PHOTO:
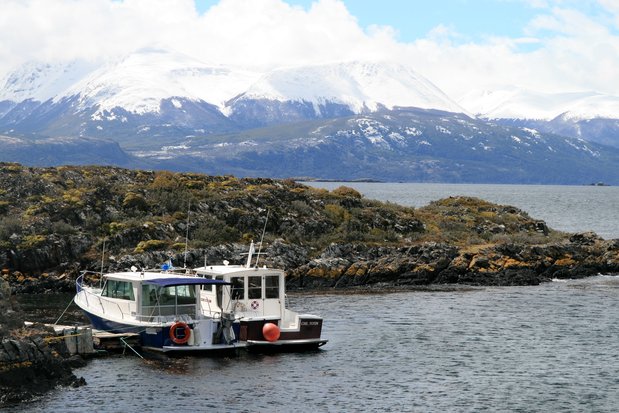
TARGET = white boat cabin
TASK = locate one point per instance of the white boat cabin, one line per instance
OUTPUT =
(253, 292)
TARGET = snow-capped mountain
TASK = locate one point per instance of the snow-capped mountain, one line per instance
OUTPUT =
(515, 103)
(333, 90)
(154, 95)
(584, 115)
(148, 93)
(139, 82)
(361, 86)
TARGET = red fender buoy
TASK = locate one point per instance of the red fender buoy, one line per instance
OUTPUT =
(270, 332)
(184, 337)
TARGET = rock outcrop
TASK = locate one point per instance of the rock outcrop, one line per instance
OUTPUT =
(32, 361)
(31, 366)
(342, 266)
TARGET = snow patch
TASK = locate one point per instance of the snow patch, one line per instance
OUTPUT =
(443, 130)
(532, 132)
(412, 131)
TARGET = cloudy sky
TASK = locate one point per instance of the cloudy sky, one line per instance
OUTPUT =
(460, 45)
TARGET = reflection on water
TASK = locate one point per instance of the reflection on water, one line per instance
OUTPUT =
(553, 347)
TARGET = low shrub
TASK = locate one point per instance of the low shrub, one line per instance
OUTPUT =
(150, 245)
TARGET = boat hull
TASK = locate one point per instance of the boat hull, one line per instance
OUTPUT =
(306, 336)
(281, 346)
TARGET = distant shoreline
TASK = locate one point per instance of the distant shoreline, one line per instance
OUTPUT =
(373, 181)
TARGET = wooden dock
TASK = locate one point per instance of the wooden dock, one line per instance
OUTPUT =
(85, 341)
(104, 340)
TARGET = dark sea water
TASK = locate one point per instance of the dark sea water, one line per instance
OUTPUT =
(548, 348)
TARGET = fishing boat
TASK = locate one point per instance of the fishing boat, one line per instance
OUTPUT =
(257, 298)
(165, 309)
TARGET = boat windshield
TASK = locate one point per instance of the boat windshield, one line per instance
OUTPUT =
(118, 289)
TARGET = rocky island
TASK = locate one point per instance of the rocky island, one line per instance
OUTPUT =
(55, 222)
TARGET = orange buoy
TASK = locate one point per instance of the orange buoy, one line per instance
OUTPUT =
(184, 330)
(270, 332)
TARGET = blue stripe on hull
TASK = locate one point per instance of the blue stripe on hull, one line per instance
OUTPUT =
(111, 326)
(148, 340)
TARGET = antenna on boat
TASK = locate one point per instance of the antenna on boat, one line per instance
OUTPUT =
(102, 260)
(102, 256)
(262, 237)
(187, 235)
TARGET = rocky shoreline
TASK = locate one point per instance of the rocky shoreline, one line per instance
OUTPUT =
(341, 267)
(32, 361)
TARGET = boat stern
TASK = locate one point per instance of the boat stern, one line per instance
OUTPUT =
(270, 334)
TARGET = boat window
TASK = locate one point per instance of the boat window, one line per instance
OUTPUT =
(181, 294)
(207, 287)
(271, 286)
(118, 289)
(149, 295)
(238, 288)
(254, 289)
(219, 290)
(185, 294)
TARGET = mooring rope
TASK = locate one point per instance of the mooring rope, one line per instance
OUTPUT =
(65, 310)
(132, 349)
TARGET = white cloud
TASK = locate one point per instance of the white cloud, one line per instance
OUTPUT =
(561, 49)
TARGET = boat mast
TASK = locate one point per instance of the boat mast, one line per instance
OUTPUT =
(102, 260)
(187, 236)
(262, 237)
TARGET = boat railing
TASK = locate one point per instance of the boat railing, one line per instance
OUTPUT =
(169, 319)
(78, 283)
(109, 307)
